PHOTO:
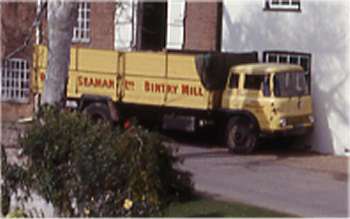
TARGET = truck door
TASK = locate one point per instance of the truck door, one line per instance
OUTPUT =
(230, 96)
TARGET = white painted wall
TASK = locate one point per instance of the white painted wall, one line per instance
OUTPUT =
(322, 29)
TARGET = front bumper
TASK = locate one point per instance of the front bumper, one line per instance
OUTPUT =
(298, 130)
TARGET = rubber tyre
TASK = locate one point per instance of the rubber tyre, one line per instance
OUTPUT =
(98, 112)
(241, 135)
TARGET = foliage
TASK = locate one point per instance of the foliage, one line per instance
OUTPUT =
(88, 169)
(18, 213)
(11, 179)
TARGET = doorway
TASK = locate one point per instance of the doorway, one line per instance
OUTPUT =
(152, 26)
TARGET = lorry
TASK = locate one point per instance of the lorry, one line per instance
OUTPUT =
(242, 99)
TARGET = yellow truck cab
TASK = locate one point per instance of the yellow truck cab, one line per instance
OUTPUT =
(265, 99)
(186, 91)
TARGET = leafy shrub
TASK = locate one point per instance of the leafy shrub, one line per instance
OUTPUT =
(18, 213)
(91, 169)
(11, 179)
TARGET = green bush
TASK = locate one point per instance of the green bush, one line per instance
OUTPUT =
(12, 177)
(88, 169)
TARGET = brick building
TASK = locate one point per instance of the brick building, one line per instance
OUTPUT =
(130, 25)
(16, 20)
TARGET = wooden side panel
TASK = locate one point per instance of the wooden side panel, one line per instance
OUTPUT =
(97, 61)
(182, 66)
(147, 64)
(166, 92)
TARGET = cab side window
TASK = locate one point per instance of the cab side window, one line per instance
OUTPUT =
(253, 82)
(234, 81)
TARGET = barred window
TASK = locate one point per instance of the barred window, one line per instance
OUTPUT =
(289, 5)
(15, 80)
(303, 59)
(81, 31)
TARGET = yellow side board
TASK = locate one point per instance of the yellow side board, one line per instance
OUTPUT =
(150, 78)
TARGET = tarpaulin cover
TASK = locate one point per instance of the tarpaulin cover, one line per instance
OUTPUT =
(213, 68)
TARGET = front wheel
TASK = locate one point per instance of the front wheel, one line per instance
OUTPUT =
(241, 135)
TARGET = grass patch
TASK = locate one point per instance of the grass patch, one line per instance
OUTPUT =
(206, 207)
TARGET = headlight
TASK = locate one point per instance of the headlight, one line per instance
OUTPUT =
(311, 119)
(283, 122)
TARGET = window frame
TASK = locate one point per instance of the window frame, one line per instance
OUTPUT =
(15, 80)
(281, 5)
(82, 28)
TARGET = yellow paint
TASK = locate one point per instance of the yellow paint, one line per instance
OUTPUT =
(268, 110)
(150, 78)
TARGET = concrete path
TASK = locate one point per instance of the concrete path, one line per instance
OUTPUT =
(282, 183)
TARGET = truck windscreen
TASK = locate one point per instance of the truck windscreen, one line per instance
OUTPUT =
(290, 84)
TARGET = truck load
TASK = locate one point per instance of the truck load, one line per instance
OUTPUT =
(187, 91)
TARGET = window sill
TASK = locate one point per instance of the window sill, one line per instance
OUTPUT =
(80, 40)
(296, 10)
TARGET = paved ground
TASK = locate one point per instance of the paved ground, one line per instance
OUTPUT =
(290, 180)
(287, 180)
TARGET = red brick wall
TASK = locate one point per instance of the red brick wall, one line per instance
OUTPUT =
(16, 20)
(11, 112)
(201, 23)
(101, 26)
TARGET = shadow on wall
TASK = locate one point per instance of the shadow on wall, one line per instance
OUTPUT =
(319, 30)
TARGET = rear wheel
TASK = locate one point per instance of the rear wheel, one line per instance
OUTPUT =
(241, 135)
(98, 112)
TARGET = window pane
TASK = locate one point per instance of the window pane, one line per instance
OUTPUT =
(305, 63)
(16, 76)
(285, 2)
(253, 82)
(272, 58)
(283, 59)
(81, 29)
(295, 2)
(293, 60)
(234, 81)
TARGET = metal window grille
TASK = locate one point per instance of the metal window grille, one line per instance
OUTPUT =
(299, 59)
(283, 4)
(81, 31)
(293, 58)
(15, 80)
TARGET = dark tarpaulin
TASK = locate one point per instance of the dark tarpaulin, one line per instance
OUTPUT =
(213, 68)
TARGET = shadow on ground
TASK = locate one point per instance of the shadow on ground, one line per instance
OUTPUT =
(280, 147)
